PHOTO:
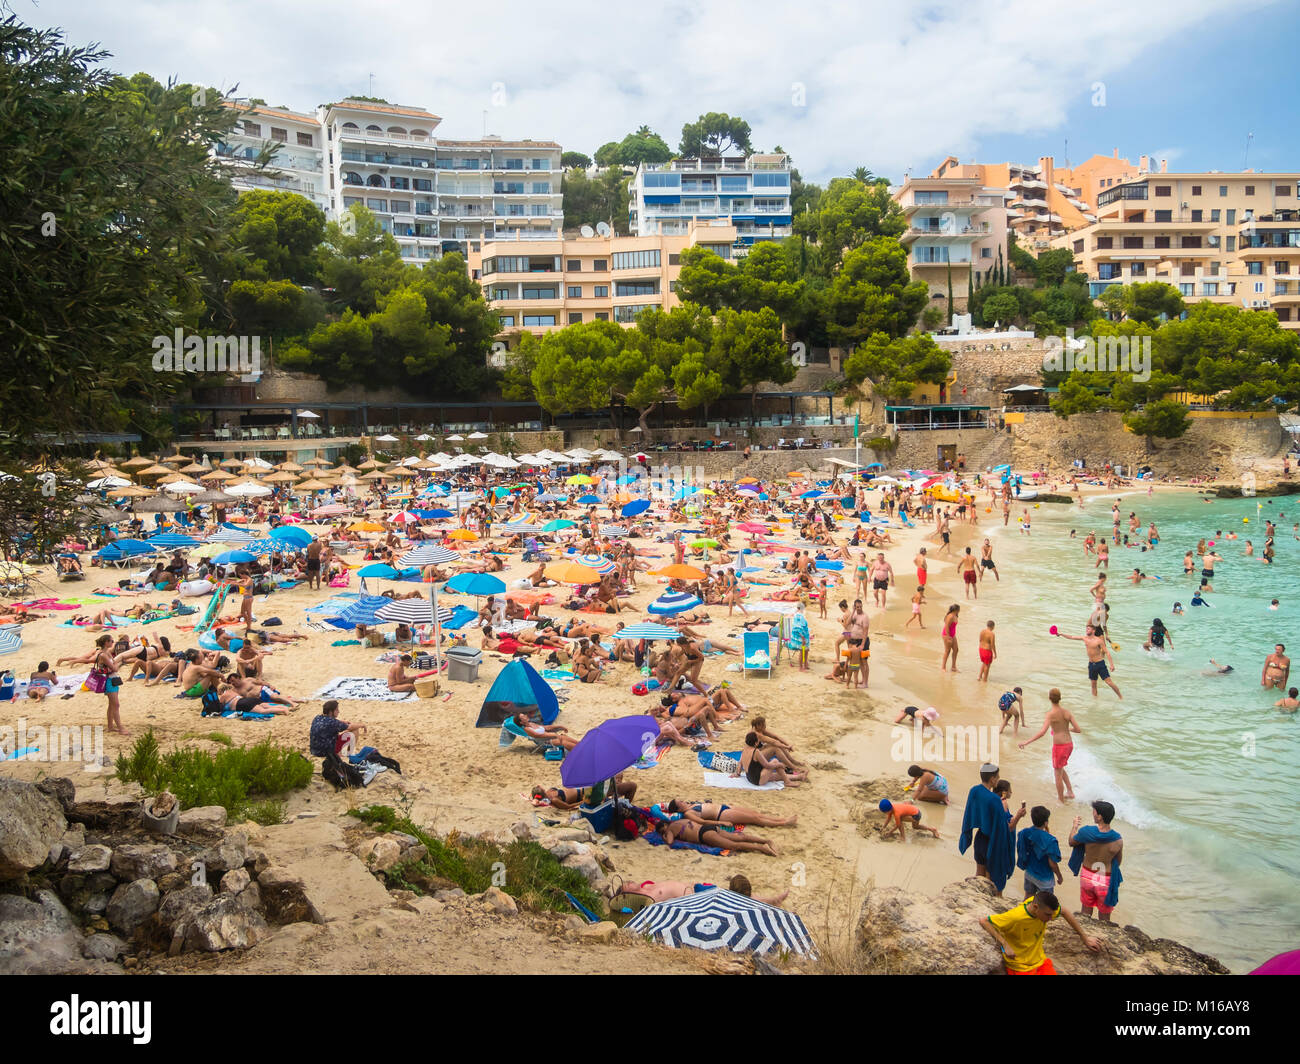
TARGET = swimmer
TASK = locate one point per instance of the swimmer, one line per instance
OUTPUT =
(1219, 670)
(1290, 703)
(1273, 605)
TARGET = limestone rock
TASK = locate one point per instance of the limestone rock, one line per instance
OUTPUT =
(522, 830)
(234, 881)
(581, 835)
(37, 937)
(499, 901)
(30, 823)
(60, 788)
(205, 821)
(586, 864)
(91, 859)
(225, 924)
(561, 850)
(602, 932)
(285, 898)
(95, 904)
(424, 906)
(180, 906)
(117, 813)
(174, 880)
(230, 852)
(380, 854)
(103, 947)
(903, 933)
(134, 861)
(132, 904)
(256, 860)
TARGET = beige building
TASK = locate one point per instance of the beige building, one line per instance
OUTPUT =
(1045, 200)
(540, 285)
(1228, 238)
(953, 223)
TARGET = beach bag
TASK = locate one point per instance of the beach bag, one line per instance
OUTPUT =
(342, 775)
(95, 681)
(640, 689)
(729, 766)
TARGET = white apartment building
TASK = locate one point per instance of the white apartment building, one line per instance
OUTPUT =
(752, 193)
(433, 195)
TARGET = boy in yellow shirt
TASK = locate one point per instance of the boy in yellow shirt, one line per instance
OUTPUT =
(1019, 933)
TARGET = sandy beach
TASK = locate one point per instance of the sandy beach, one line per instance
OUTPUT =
(455, 776)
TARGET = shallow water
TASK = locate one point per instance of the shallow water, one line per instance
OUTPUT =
(1203, 763)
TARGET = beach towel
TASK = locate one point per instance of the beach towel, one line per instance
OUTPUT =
(361, 689)
(558, 674)
(655, 839)
(67, 685)
(652, 757)
(984, 813)
(739, 783)
(1088, 834)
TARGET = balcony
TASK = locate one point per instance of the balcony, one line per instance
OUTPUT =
(523, 234)
(379, 137)
(946, 234)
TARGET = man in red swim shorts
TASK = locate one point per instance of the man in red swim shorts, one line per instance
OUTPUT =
(921, 570)
(1062, 723)
(966, 566)
(988, 650)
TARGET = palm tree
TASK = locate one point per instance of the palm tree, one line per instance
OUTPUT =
(864, 175)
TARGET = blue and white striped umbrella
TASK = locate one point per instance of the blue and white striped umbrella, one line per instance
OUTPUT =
(11, 639)
(429, 554)
(647, 630)
(172, 540)
(722, 920)
(412, 611)
(671, 602)
(523, 528)
(613, 531)
(364, 610)
(226, 534)
(598, 562)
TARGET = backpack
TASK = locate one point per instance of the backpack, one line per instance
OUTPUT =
(341, 774)
(379, 759)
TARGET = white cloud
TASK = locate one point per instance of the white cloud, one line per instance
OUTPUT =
(886, 87)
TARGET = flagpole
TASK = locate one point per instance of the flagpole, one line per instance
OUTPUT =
(437, 628)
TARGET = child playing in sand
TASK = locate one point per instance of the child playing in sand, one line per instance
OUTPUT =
(896, 813)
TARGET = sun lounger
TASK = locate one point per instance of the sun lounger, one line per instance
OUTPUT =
(510, 731)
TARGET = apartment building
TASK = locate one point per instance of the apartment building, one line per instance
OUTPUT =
(540, 285)
(297, 141)
(751, 192)
(433, 195)
(954, 224)
(1229, 238)
(1046, 200)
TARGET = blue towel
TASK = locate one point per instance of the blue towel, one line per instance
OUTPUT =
(984, 813)
(1091, 833)
(654, 839)
(706, 757)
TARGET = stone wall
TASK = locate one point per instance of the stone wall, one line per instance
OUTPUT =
(1230, 445)
(983, 448)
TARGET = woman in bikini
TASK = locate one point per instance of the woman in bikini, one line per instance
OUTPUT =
(106, 662)
(859, 579)
(688, 831)
(716, 813)
(764, 766)
(949, 635)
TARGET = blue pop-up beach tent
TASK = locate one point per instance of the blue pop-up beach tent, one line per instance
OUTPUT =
(518, 689)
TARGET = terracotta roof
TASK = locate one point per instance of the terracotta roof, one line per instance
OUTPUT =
(384, 109)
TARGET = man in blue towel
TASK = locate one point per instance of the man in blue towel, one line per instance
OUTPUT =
(1038, 854)
(1095, 856)
(988, 823)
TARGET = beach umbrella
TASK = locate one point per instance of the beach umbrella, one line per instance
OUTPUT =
(463, 534)
(703, 491)
(182, 487)
(215, 497)
(311, 485)
(298, 537)
(219, 475)
(477, 584)
(704, 544)
(173, 540)
(588, 500)
(429, 554)
(580, 478)
(363, 611)
(456, 438)
(108, 482)
(333, 509)
(138, 462)
(572, 573)
(680, 572)
(230, 534)
(814, 494)
(11, 639)
(386, 438)
(127, 548)
(365, 526)
(646, 630)
(598, 562)
(248, 488)
(607, 749)
(159, 505)
(412, 611)
(719, 919)
(671, 602)
(379, 571)
(638, 506)
(434, 515)
(613, 530)
(751, 526)
(131, 491)
(558, 524)
(234, 557)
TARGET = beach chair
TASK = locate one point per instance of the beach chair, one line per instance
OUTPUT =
(757, 652)
(510, 731)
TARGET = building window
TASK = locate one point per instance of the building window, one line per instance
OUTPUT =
(540, 164)
(1282, 190)
(781, 179)
(1254, 267)
(575, 265)
(1259, 287)
(601, 291)
(541, 188)
(1187, 269)
(1231, 217)
(672, 286)
(422, 184)
(547, 292)
(282, 135)
(1078, 249)
(637, 288)
(575, 317)
(1133, 242)
(1232, 243)
(377, 205)
(1160, 242)
(252, 129)
(600, 265)
(500, 293)
(1250, 190)
(1212, 240)
(1164, 216)
(539, 319)
(305, 140)
(629, 313)
(987, 253)
(1214, 214)
(1190, 242)
(674, 258)
(400, 206)
(602, 315)
(1198, 216)
(539, 210)
(1105, 242)
(1137, 269)
(1196, 191)
(1162, 190)
(634, 260)
(1281, 267)
(661, 180)
(512, 164)
(1210, 288)
(575, 291)
(1223, 190)
(1280, 288)
(507, 320)
(1284, 314)
(1213, 269)
(1107, 271)
(1187, 289)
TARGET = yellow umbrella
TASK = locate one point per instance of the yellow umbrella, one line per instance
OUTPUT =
(463, 533)
(572, 573)
(704, 491)
(580, 478)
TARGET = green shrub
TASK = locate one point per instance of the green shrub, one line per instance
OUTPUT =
(532, 875)
(242, 779)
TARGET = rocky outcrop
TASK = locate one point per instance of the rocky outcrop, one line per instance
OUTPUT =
(903, 933)
(31, 822)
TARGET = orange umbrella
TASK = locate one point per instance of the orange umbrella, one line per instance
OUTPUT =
(462, 533)
(365, 526)
(680, 572)
(572, 573)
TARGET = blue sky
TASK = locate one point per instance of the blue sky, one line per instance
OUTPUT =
(894, 86)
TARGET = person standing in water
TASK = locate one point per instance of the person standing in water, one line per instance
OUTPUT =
(986, 561)
(1061, 722)
(1098, 656)
(1277, 668)
(988, 651)
(966, 567)
(949, 636)
(1157, 635)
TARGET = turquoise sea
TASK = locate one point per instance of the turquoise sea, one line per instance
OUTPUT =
(1203, 764)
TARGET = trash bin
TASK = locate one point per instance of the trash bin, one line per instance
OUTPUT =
(462, 663)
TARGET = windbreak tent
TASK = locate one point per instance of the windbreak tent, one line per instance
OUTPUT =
(518, 689)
